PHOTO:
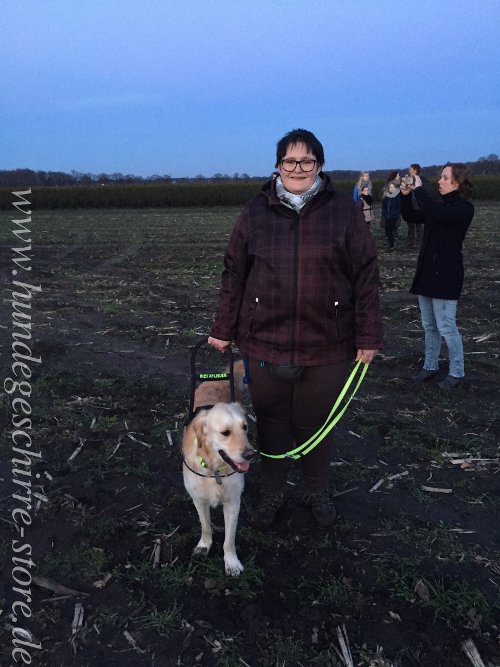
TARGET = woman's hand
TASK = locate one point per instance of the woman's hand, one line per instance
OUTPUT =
(417, 181)
(405, 187)
(220, 345)
(366, 355)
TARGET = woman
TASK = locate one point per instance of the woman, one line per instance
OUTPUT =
(392, 176)
(299, 296)
(414, 216)
(362, 182)
(440, 273)
(391, 208)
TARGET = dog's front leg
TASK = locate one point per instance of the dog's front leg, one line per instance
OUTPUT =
(231, 562)
(203, 546)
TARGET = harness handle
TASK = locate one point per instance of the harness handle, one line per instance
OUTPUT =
(209, 377)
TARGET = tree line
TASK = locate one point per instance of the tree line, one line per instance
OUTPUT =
(12, 178)
(188, 194)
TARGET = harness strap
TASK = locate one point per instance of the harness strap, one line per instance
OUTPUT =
(196, 377)
(198, 408)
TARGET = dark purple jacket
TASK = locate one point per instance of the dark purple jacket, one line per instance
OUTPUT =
(440, 269)
(300, 289)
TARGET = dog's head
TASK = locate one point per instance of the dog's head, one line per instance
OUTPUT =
(224, 431)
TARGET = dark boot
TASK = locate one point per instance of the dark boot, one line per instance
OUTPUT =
(322, 507)
(424, 376)
(265, 513)
(450, 382)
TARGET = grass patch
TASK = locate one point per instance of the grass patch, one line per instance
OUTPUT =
(277, 649)
(172, 579)
(165, 623)
(449, 600)
(89, 563)
(247, 586)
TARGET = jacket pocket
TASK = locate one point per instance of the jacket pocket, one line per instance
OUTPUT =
(341, 322)
(335, 328)
(252, 316)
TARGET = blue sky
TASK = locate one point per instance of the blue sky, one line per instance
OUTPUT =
(199, 87)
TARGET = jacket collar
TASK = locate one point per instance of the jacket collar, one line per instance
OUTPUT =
(451, 197)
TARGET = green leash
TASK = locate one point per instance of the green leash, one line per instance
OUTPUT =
(314, 440)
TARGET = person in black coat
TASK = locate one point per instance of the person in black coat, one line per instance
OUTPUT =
(439, 275)
(391, 207)
(414, 216)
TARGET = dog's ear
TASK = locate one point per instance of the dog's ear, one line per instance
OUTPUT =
(200, 427)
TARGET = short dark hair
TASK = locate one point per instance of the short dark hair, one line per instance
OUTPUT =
(416, 167)
(300, 136)
(460, 174)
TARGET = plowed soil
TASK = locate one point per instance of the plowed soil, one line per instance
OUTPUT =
(410, 571)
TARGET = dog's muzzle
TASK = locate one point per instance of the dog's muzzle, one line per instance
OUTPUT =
(238, 467)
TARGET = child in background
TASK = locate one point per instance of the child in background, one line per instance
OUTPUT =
(366, 201)
(391, 209)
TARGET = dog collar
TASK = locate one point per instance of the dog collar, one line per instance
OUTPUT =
(216, 474)
(223, 468)
(220, 469)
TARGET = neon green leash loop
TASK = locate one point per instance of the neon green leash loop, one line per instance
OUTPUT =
(315, 439)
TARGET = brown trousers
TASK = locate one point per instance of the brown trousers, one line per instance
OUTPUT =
(288, 414)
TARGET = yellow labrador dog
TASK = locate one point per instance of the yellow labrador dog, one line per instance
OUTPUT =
(216, 452)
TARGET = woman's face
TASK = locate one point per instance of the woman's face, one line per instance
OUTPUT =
(392, 188)
(446, 183)
(298, 181)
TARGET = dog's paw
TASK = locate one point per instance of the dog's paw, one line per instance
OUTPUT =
(200, 552)
(233, 566)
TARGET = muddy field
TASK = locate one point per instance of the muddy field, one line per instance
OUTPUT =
(411, 569)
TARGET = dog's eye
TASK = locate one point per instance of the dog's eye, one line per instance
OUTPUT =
(226, 432)
(245, 427)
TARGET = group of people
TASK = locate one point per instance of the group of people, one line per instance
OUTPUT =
(299, 296)
(392, 210)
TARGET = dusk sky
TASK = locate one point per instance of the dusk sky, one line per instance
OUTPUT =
(200, 87)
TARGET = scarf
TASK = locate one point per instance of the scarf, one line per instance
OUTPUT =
(391, 195)
(296, 202)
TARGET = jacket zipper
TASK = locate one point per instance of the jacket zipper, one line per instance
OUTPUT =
(295, 278)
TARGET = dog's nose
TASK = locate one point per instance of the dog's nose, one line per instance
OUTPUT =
(248, 454)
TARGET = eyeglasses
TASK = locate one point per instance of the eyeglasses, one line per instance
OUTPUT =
(305, 165)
